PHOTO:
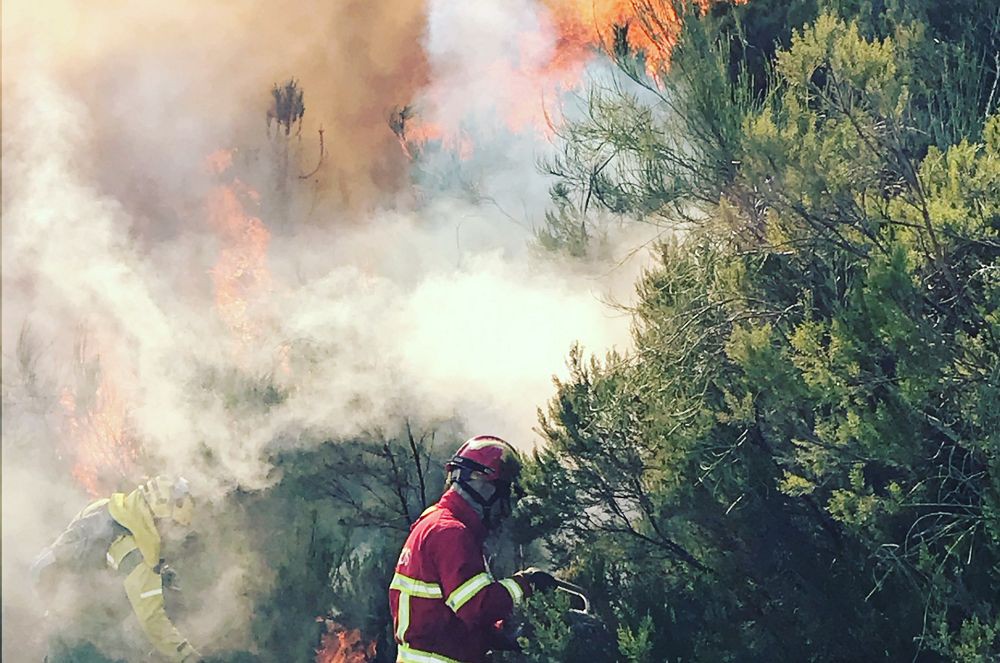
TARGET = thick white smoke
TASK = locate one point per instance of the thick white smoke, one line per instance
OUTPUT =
(379, 304)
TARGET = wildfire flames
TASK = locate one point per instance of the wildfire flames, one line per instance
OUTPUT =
(343, 645)
(240, 275)
(103, 451)
(581, 29)
(414, 136)
(584, 25)
(532, 78)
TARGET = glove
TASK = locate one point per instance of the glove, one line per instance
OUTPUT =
(540, 581)
(169, 577)
(504, 642)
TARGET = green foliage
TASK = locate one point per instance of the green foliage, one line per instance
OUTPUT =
(554, 631)
(565, 229)
(637, 646)
(952, 50)
(646, 148)
(84, 653)
(551, 637)
(320, 542)
(799, 459)
(293, 565)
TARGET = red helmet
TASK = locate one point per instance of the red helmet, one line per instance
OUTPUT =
(496, 462)
(489, 455)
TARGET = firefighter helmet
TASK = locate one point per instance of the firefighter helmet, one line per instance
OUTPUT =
(490, 459)
(169, 498)
(495, 459)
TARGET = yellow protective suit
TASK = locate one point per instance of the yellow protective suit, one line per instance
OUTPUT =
(143, 584)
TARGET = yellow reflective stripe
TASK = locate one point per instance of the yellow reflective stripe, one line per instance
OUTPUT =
(154, 592)
(467, 590)
(407, 654)
(425, 590)
(403, 616)
(516, 593)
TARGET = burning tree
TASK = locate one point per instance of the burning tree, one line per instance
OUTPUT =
(104, 450)
(287, 108)
(286, 111)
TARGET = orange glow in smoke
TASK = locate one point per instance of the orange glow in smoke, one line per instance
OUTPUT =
(585, 25)
(419, 133)
(343, 645)
(104, 452)
(582, 29)
(240, 275)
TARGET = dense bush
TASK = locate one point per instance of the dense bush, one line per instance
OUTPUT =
(799, 459)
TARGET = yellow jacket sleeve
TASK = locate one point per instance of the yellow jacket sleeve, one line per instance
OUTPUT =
(132, 513)
(144, 588)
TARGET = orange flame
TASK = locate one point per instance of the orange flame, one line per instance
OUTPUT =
(104, 452)
(582, 29)
(240, 275)
(343, 645)
(584, 25)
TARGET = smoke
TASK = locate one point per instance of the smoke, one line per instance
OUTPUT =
(373, 291)
(167, 83)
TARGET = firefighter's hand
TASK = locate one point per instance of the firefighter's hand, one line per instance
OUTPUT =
(540, 581)
(169, 577)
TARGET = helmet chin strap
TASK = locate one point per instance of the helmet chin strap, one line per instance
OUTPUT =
(484, 504)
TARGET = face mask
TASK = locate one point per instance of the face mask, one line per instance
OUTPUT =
(502, 498)
(499, 506)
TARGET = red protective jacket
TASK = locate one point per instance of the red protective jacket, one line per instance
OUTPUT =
(445, 603)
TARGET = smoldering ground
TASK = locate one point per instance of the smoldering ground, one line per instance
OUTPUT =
(367, 293)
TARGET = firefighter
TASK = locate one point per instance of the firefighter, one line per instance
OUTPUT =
(446, 605)
(124, 533)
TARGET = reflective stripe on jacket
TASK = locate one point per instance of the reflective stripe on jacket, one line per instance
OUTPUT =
(445, 603)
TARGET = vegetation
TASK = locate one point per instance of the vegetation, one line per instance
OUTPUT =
(799, 460)
(327, 536)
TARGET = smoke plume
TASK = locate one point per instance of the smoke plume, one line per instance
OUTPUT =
(179, 294)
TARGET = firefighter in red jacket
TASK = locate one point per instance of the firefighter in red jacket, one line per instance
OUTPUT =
(445, 603)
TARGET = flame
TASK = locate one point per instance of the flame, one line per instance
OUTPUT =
(582, 29)
(240, 275)
(583, 25)
(340, 644)
(103, 450)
